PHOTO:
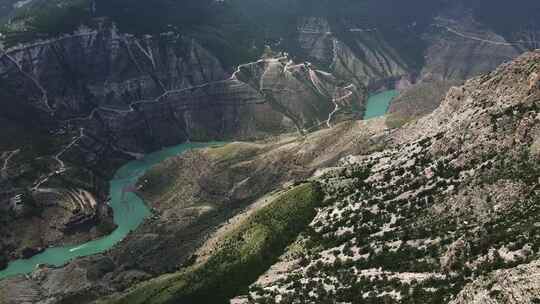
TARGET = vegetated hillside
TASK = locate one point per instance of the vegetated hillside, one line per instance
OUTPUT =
(445, 208)
(243, 254)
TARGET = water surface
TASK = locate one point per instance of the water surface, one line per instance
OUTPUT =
(378, 104)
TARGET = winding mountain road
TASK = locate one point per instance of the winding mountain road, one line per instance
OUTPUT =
(62, 166)
(470, 37)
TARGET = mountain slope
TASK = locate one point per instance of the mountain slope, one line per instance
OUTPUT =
(452, 198)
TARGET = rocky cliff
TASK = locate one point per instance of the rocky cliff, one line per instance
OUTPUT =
(451, 48)
(124, 89)
(458, 47)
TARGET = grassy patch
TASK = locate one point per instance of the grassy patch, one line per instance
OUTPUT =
(234, 151)
(396, 121)
(241, 258)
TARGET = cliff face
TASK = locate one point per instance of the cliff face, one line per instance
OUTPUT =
(453, 47)
(461, 48)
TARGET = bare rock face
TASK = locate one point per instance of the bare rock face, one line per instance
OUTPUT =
(125, 91)
(455, 47)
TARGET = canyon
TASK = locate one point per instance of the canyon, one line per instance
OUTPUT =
(77, 106)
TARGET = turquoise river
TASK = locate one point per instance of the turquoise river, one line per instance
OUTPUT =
(130, 211)
(378, 104)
